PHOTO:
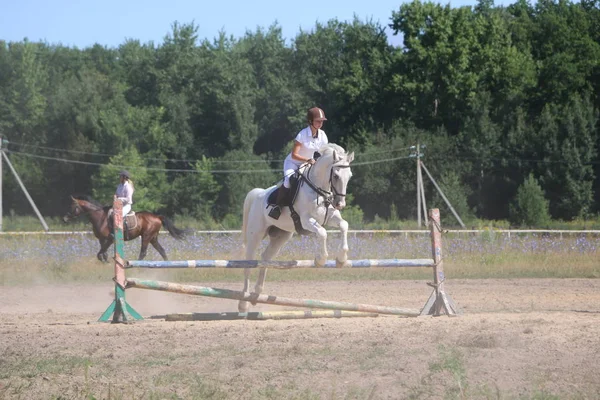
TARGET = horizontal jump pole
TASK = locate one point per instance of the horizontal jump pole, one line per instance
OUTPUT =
(391, 263)
(265, 315)
(265, 298)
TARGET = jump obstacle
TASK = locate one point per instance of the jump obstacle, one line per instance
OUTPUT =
(439, 302)
(264, 315)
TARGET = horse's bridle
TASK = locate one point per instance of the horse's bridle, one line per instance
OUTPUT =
(328, 195)
(82, 211)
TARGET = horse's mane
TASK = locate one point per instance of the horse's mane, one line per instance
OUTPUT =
(330, 148)
(91, 200)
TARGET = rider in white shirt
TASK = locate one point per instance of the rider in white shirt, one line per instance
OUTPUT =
(124, 191)
(307, 142)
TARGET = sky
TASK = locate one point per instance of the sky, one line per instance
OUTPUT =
(82, 23)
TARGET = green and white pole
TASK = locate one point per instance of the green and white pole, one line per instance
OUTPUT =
(120, 310)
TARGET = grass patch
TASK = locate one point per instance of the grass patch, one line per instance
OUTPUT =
(451, 361)
(54, 259)
(35, 367)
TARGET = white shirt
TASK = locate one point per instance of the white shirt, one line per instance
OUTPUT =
(125, 193)
(309, 144)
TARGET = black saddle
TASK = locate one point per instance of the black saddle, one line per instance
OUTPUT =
(288, 201)
(291, 195)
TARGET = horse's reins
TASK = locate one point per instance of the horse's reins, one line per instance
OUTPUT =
(92, 207)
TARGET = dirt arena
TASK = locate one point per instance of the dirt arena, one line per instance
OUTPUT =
(517, 339)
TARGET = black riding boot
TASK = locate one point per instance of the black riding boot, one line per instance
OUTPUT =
(281, 201)
(282, 196)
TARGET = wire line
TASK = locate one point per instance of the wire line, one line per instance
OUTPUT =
(229, 171)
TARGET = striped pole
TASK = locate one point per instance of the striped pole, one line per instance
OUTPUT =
(384, 263)
(267, 299)
(266, 315)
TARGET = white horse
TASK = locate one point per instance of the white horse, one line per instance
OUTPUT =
(320, 198)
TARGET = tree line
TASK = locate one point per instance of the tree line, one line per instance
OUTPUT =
(504, 98)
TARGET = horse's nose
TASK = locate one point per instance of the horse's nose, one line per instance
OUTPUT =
(340, 204)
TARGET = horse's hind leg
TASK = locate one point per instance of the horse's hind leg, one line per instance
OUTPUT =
(278, 239)
(159, 248)
(252, 243)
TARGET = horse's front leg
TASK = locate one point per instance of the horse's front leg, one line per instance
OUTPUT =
(243, 306)
(312, 225)
(104, 245)
(260, 284)
(143, 248)
(336, 220)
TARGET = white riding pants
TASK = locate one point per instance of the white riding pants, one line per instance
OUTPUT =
(289, 167)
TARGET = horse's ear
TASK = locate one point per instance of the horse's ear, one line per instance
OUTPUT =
(336, 157)
(350, 157)
(73, 198)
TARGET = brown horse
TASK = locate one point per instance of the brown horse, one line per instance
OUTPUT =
(148, 225)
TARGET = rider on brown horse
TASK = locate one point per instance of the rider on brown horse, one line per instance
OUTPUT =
(147, 226)
(124, 193)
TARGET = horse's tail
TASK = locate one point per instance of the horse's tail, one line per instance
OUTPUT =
(247, 204)
(177, 233)
(240, 254)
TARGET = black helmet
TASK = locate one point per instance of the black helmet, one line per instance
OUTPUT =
(125, 174)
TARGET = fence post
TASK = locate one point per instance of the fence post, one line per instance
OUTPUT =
(439, 301)
(122, 312)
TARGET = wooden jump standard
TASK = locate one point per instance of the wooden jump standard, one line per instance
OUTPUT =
(439, 302)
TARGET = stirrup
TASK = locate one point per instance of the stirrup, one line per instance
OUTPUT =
(275, 212)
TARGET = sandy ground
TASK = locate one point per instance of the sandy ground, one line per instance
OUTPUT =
(520, 339)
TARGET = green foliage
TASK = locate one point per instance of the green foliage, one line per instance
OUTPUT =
(457, 195)
(353, 214)
(496, 93)
(566, 137)
(245, 171)
(147, 183)
(530, 208)
(195, 193)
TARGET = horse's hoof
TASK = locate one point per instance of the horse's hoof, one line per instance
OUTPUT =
(318, 264)
(341, 264)
(254, 298)
(243, 306)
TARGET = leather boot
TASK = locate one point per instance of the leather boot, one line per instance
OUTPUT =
(282, 196)
(275, 212)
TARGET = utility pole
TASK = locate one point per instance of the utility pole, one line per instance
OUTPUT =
(1, 151)
(10, 166)
(416, 152)
(443, 197)
(421, 205)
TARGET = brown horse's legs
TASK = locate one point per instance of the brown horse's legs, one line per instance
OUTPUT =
(104, 245)
(159, 248)
(143, 249)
